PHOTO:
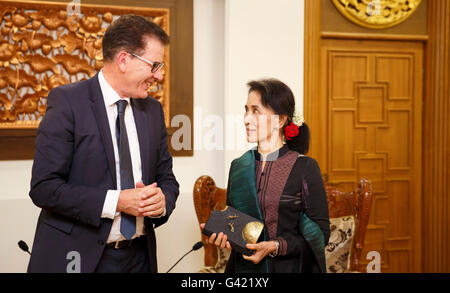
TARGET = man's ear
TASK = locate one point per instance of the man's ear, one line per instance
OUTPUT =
(122, 60)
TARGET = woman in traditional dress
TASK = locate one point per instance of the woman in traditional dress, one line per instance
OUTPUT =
(277, 184)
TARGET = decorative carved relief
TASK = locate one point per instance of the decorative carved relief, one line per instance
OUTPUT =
(376, 14)
(42, 46)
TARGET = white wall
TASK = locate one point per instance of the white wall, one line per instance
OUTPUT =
(18, 215)
(234, 41)
(263, 38)
(177, 237)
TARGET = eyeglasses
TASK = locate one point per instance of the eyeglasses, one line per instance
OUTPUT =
(155, 65)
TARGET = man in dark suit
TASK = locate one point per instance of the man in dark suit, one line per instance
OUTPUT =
(102, 172)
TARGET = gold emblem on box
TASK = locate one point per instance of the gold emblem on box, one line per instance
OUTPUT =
(251, 232)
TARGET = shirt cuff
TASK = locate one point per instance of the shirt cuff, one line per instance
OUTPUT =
(160, 216)
(110, 204)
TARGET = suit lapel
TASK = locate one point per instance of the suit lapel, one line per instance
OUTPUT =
(98, 106)
(141, 120)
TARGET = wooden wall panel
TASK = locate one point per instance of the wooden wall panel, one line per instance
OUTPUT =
(430, 25)
(373, 99)
(312, 105)
(436, 159)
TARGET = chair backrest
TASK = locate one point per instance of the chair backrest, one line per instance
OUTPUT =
(357, 203)
(206, 196)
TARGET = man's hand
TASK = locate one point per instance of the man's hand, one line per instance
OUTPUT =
(142, 201)
(262, 249)
(153, 200)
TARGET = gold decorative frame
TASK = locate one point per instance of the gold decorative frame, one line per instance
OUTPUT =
(362, 12)
(45, 44)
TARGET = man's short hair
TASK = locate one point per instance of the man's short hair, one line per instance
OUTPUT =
(128, 33)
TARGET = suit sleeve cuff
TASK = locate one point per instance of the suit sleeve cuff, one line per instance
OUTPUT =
(110, 205)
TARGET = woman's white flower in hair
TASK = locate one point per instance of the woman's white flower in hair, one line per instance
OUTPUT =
(298, 119)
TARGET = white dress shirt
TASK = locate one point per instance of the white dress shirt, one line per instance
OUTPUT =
(110, 97)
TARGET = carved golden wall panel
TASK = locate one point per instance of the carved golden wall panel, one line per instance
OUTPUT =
(44, 45)
(376, 14)
(373, 119)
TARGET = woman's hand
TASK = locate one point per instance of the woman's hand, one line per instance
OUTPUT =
(218, 240)
(262, 249)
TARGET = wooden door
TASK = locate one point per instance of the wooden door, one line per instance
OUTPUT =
(371, 115)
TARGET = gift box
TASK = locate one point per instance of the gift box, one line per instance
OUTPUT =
(239, 228)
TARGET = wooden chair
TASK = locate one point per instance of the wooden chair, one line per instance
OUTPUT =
(356, 203)
(206, 196)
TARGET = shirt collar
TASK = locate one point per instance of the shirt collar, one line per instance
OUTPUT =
(110, 96)
(274, 155)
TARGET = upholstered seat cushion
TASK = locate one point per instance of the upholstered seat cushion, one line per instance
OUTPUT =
(223, 255)
(338, 250)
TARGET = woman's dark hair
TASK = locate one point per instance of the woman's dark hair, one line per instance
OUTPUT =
(279, 97)
(127, 33)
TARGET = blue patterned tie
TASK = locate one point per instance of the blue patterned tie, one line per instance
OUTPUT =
(128, 222)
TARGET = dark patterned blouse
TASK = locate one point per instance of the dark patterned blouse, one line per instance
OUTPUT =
(290, 183)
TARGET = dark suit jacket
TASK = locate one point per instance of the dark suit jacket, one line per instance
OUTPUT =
(73, 168)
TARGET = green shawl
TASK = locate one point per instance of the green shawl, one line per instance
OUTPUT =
(242, 195)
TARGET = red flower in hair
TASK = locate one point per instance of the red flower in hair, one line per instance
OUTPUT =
(291, 131)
